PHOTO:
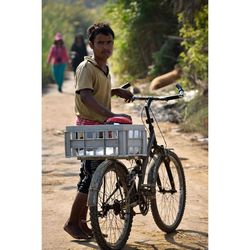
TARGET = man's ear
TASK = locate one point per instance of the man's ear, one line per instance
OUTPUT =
(91, 45)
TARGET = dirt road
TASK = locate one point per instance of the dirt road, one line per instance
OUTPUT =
(60, 175)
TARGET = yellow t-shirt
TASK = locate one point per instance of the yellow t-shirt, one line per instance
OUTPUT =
(89, 76)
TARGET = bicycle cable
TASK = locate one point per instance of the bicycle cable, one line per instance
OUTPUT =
(158, 127)
(156, 124)
(143, 120)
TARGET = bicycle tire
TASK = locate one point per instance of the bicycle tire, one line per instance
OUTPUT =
(166, 217)
(104, 212)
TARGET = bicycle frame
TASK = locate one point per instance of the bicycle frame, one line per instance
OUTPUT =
(152, 142)
(111, 206)
(153, 148)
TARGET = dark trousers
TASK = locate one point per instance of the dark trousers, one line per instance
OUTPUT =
(87, 170)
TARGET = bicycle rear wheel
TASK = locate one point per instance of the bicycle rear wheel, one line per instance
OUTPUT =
(169, 203)
(111, 218)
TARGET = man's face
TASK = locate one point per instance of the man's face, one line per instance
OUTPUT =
(103, 46)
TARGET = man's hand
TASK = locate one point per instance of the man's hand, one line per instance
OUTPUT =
(123, 115)
(123, 93)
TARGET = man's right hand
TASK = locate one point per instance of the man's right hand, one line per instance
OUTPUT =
(123, 115)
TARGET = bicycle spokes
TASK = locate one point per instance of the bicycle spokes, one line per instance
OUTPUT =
(111, 208)
(167, 195)
(165, 182)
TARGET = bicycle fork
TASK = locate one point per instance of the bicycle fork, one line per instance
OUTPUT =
(166, 161)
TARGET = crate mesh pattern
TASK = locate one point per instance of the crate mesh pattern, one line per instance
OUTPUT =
(106, 141)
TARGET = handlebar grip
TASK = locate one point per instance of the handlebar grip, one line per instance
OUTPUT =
(180, 89)
(126, 85)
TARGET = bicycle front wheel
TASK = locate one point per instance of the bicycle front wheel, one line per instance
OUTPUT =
(111, 218)
(169, 203)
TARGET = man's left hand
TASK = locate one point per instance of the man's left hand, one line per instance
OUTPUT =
(123, 93)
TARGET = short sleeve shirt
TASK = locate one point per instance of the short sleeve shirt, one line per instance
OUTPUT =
(90, 76)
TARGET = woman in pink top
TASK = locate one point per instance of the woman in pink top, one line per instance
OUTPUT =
(58, 58)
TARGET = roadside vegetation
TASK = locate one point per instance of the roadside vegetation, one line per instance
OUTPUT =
(195, 116)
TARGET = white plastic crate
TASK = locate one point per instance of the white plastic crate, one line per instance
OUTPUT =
(106, 141)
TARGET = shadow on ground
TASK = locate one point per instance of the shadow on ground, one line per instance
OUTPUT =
(188, 239)
(86, 243)
(181, 239)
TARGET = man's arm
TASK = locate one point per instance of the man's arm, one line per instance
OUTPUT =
(88, 99)
(123, 93)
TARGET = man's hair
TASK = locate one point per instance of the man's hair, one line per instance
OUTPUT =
(99, 28)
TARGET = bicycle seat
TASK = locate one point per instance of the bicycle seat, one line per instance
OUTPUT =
(118, 119)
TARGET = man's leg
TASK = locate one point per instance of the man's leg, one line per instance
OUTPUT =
(79, 211)
(90, 167)
(56, 74)
(72, 225)
(61, 76)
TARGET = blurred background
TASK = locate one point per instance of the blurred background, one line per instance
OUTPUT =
(167, 38)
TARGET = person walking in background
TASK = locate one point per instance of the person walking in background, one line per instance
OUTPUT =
(78, 51)
(58, 58)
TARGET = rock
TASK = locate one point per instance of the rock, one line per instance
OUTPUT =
(58, 132)
(166, 79)
(136, 90)
(204, 140)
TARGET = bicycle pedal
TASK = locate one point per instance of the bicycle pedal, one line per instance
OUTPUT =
(133, 212)
(147, 186)
(148, 189)
(105, 235)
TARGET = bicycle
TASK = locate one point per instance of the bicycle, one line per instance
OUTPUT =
(115, 191)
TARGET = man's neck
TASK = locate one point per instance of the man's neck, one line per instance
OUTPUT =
(101, 63)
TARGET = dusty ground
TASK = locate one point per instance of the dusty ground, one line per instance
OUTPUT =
(60, 175)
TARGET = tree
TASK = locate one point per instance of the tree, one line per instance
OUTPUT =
(141, 28)
(194, 58)
(193, 22)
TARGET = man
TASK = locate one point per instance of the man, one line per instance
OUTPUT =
(92, 107)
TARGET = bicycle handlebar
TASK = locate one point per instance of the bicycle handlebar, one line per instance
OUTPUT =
(159, 98)
(180, 89)
(162, 98)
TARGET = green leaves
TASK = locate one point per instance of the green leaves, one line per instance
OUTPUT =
(140, 28)
(165, 59)
(194, 59)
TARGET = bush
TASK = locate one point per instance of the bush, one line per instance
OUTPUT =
(194, 58)
(196, 116)
(140, 32)
(165, 59)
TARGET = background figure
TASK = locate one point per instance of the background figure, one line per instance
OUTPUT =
(78, 51)
(58, 58)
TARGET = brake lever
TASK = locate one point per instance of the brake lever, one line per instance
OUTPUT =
(126, 85)
(180, 89)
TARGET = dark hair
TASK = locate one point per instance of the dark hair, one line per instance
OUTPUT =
(79, 35)
(99, 28)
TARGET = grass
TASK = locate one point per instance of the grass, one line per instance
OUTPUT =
(196, 116)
